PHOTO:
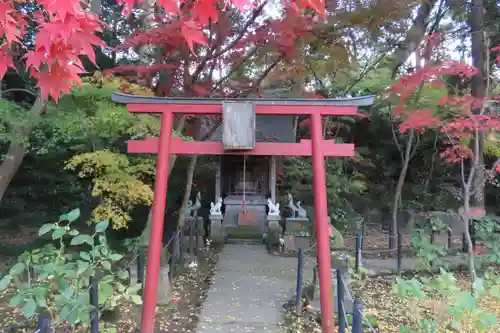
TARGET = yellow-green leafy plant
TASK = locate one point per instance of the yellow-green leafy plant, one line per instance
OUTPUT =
(116, 182)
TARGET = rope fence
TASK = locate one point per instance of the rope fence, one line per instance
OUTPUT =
(359, 320)
(343, 295)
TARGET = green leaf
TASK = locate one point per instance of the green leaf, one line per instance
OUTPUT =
(136, 299)
(71, 216)
(115, 257)
(41, 301)
(123, 274)
(17, 269)
(16, 300)
(4, 283)
(106, 265)
(80, 239)
(102, 240)
(133, 289)
(495, 291)
(63, 284)
(65, 312)
(101, 226)
(82, 267)
(29, 308)
(105, 292)
(73, 316)
(73, 232)
(107, 278)
(58, 233)
(46, 228)
(85, 256)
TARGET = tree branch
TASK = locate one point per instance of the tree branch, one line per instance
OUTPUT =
(256, 13)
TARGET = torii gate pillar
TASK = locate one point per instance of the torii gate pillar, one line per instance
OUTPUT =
(156, 234)
(322, 236)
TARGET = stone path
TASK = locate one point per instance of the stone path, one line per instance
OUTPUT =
(248, 291)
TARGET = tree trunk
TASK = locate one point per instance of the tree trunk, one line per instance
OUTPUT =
(187, 190)
(399, 186)
(468, 239)
(478, 91)
(16, 151)
(414, 36)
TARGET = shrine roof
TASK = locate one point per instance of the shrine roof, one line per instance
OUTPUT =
(348, 101)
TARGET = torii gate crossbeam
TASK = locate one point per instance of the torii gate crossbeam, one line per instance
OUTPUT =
(165, 145)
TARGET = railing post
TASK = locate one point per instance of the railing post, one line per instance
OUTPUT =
(391, 237)
(363, 234)
(449, 240)
(464, 243)
(181, 254)
(43, 325)
(94, 301)
(191, 234)
(357, 318)
(140, 265)
(359, 242)
(399, 254)
(433, 239)
(298, 296)
(472, 231)
(340, 300)
(196, 236)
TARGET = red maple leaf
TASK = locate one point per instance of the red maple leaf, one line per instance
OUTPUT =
(5, 60)
(61, 7)
(205, 11)
(170, 6)
(11, 30)
(35, 59)
(317, 5)
(58, 80)
(193, 33)
(419, 119)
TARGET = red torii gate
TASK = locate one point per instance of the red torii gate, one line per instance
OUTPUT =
(165, 145)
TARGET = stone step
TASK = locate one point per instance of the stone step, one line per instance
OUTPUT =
(244, 232)
(243, 241)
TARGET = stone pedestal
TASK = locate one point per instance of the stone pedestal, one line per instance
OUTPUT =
(216, 229)
(193, 238)
(164, 294)
(297, 234)
(273, 230)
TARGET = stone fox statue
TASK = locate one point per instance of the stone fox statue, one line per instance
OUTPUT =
(274, 209)
(215, 209)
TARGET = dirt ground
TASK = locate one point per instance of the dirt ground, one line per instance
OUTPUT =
(387, 313)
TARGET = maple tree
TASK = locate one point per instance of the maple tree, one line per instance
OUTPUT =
(66, 30)
(461, 126)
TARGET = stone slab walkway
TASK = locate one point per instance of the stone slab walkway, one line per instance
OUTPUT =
(248, 291)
